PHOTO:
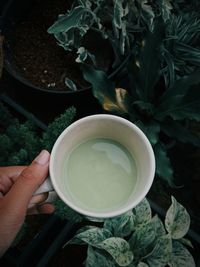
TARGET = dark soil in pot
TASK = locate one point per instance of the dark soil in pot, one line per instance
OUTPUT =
(35, 52)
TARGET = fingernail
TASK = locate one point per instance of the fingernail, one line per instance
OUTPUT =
(43, 157)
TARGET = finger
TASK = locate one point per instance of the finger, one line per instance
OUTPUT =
(8, 175)
(38, 199)
(41, 209)
(28, 181)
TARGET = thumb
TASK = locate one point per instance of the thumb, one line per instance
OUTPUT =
(28, 181)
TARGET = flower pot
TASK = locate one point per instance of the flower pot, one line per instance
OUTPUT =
(45, 103)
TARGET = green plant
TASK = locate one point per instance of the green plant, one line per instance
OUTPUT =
(136, 239)
(182, 52)
(159, 107)
(21, 142)
(121, 23)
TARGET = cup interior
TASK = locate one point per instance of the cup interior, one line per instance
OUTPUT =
(110, 127)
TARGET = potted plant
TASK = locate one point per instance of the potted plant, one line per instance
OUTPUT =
(33, 58)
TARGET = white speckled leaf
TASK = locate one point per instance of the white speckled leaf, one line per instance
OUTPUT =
(143, 239)
(142, 264)
(97, 259)
(119, 249)
(181, 257)
(142, 212)
(160, 255)
(177, 220)
(120, 226)
(91, 236)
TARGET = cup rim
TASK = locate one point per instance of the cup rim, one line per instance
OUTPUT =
(124, 209)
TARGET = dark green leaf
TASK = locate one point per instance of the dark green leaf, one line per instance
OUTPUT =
(149, 62)
(179, 102)
(176, 130)
(101, 85)
(163, 164)
(151, 130)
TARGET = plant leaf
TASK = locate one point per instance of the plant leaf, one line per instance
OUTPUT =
(160, 255)
(120, 226)
(186, 242)
(151, 130)
(91, 236)
(145, 237)
(149, 62)
(163, 164)
(142, 264)
(181, 256)
(70, 84)
(112, 99)
(119, 249)
(177, 220)
(97, 258)
(181, 100)
(142, 212)
(118, 14)
(176, 130)
(68, 21)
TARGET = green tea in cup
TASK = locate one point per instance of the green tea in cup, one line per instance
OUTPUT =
(99, 174)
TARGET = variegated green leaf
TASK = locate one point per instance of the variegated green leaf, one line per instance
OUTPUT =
(142, 240)
(95, 258)
(142, 212)
(118, 14)
(68, 21)
(120, 226)
(186, 242)
(177, 220)
(119, 249)
(142, 264)
(180, 256)
(160, 255)
(70, 84)
(148, 14)
(159, 227)
(91, 236)
(83, 55)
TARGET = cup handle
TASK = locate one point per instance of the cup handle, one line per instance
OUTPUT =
(47, 187)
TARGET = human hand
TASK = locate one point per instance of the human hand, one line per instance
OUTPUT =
(17, 186)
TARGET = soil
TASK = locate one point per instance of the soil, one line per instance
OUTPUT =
(37, 55)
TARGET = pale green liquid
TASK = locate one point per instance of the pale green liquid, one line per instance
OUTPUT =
(100, 174)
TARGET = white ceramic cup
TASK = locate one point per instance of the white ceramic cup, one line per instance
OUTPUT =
(103, 126)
